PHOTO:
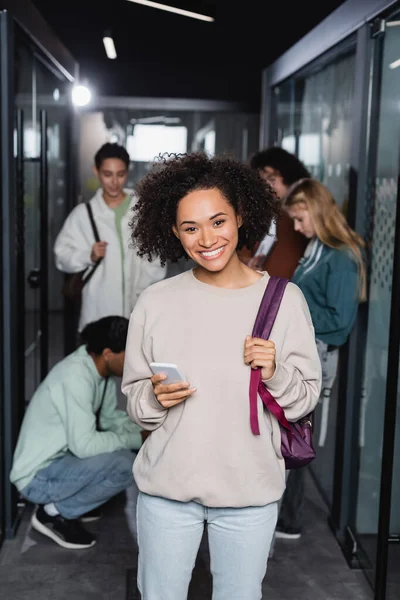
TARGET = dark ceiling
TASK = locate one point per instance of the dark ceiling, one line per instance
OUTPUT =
(166, 55)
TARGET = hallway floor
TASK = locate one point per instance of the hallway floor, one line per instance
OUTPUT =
(34, 568)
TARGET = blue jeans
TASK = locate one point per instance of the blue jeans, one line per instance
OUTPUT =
(78, 485)
(169, 536)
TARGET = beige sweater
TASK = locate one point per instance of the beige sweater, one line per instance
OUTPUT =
(203, 449)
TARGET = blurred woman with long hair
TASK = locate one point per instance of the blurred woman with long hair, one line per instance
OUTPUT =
(332, 277)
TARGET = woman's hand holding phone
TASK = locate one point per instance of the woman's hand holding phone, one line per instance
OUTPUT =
(169, 395)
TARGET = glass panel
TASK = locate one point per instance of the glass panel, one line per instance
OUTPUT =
(52, 97)
(373, 402)
(323, 108)
(25, 101)
(392, 66)
(313, 121)
(38, 88)
(285, 116)
(325, 125)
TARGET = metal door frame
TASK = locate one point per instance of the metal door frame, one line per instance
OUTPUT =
(12, 381)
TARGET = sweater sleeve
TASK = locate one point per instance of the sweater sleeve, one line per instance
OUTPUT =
(72, 249)
(341, 300)
(142, 405)
(83, 439)
(296, 383)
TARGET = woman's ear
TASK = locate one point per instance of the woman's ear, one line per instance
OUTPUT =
(239, 221)
(175, 230)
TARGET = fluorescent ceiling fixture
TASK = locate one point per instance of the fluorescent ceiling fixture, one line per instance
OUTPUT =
(109, 47)
(395, 64)
(164, 120)
(173, 9)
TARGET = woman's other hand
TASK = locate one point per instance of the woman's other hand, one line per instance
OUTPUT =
(260, 353)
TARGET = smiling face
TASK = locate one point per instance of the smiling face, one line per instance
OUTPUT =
(207, 227)
(301, 219)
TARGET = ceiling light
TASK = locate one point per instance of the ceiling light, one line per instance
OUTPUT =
(109, 47)
(173, 9)
(81, 95)
(395, 64)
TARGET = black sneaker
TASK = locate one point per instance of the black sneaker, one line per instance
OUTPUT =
(93, 515)
(67, 533)
(287, 533)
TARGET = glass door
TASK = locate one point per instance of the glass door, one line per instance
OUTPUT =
(41, 123)
(35, 117)
(378, 410)
(28, 198)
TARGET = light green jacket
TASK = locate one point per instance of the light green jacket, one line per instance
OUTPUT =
(61, 418)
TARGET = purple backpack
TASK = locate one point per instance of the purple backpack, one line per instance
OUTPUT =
(297, 447)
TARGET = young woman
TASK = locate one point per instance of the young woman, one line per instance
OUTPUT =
(331, 276)
(201, 462)
(122, 275)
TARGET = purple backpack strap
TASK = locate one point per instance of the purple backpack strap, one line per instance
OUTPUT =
(266, 316)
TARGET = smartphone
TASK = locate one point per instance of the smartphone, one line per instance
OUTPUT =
(171, 371)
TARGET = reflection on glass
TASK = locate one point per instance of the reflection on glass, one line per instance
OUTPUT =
(325, 130)
(313, 121)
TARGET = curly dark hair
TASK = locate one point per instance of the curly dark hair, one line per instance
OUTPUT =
(288, 165)
(174, 177)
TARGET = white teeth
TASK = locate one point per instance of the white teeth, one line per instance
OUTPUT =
(213, 252)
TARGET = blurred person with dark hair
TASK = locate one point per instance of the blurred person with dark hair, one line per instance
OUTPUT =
(122, 275)
(282, 247)
(74, 450)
